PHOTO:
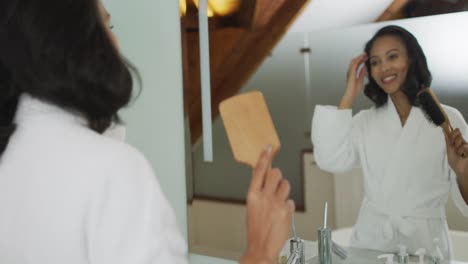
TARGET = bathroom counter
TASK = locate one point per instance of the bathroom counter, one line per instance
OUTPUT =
(355, 256)
(199, 259)
(362, 256)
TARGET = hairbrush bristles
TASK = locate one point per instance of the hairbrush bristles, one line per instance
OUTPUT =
(431, 109)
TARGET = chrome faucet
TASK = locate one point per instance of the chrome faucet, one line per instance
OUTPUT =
(338, 250)
(296, 249)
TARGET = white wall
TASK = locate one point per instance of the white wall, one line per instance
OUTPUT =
(329, 14)
(149, 35)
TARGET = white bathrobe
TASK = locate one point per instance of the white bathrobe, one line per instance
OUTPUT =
(407, 179)
(70, 195)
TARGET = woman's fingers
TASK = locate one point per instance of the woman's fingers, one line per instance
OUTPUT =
(261, 170)
(273, 179)
(283, 190)
(354, 65)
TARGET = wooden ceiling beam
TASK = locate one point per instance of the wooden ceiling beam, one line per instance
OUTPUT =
(191, 8)
(396, 10)
(256, 14)
(235, 55)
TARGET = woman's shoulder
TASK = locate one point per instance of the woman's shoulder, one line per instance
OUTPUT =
(123, 164)
(108, 155)
(115, 150)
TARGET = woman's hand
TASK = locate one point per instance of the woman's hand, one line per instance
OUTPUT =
(457, 148)
(354, 81)
(269, 213)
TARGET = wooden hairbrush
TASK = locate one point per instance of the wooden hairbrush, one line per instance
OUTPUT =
(249, 126)
(434, 112)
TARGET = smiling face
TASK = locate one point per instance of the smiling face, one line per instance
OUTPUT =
(389, 63)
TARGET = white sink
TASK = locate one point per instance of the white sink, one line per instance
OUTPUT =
(459, 242)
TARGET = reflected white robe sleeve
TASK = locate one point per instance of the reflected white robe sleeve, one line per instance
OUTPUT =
(457, 121)
(131, 221)
(334, 135)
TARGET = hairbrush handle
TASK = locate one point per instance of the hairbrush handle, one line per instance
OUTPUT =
(447, 127)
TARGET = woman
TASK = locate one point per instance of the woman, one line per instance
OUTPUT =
(68, 192)
(407, 179)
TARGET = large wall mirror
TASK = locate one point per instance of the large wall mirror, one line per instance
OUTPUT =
(305, 69)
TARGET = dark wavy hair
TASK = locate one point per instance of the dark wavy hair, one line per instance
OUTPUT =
(418, 76)
(59, 51)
